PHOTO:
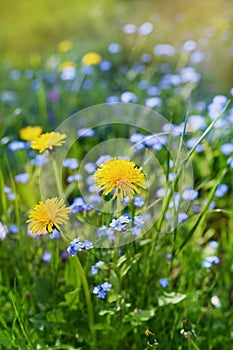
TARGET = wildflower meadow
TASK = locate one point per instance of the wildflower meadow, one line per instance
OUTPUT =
(116, 168)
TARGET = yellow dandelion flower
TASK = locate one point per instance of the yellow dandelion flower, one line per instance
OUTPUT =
(120, 175)
(48, 215)
(64, 46)
(67, 64)
(148, 333)
(48, 141)
(91, 59)
(30, 133)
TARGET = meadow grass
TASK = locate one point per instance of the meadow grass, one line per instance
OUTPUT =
(170, 286)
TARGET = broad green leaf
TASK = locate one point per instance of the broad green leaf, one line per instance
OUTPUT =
(171, 298)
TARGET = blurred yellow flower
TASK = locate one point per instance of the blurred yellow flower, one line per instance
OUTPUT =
(120, 175)
(91, 58)
(48, 216)
(30, 133)
(48, 141)
(64, 46)
(67, 64)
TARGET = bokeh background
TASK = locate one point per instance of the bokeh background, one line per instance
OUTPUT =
(173, 57)
(31, 30)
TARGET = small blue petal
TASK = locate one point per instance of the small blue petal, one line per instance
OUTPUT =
(163, 282)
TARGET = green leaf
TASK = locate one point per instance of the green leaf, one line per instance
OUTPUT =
(72, 298)
(43, 290)
(5, 340)
(170, 298)
(146, 315)
(106, 312)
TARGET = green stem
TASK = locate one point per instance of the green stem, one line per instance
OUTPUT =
(88, 301)
(194, 345)
(118, 213)
(86, 293)
(58, 183)
(18, 314)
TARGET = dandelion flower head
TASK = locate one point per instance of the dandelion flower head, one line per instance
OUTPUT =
(48, 215)
(48, 141)
(120, 175)
(30, 133)
(64, 46)
(91, 58)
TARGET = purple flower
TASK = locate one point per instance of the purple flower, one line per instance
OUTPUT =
(96, 289)
(68, 73)
(169, 256)
(112, 99)
(13, 229)
(164, 49)
(120, 224)
(189, 194)
(87, 244)
(139, 221)
(90, 167)
(129, 28)
(128, 97)
(146, 28)
(189, 75)
(64, 256)
(54, 234)
(163, 282)
(196, 122)
(39, 160)
(71, 250)
(182, 217)
(221, 190)
(105, 66)
(189, 45)
(94, 270)
(213, 244)
(153, 90)
(153, 102)
(102, 294)
(230, 162)
(101, 290)
(103, 159)
(106, 286)
(114, 48)
(22, 178)
(227, 149)
(138, 202)
(46, 257)
(78, 205)
(75, 177)
(136, 231)
(17, 145)
(209, 260)
(146, 57)
(77, 246)
(85, 132)
(70, 163)
(197, 57)
(53, 96)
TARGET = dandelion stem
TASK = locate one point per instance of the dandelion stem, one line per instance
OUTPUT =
(118, 213)
(194, 345)
(88, 300)
(56, 174)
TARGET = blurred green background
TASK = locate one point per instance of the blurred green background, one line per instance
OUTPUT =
(31, 29)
